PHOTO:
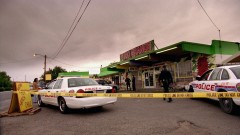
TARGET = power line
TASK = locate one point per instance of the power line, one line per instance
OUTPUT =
(70, 27)
(70, 64)
(210, 19)
(72, 30)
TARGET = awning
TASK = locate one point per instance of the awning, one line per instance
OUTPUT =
(107, 73)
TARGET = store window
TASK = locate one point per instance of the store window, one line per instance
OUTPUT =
(184, 69)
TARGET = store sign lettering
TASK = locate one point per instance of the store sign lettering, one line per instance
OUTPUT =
(137, 51)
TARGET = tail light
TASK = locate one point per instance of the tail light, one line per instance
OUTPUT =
(238, 87)
(80, 91)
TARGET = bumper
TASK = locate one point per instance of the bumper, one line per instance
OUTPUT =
(88, 102)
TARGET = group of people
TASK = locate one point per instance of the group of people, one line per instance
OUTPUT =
(128, 82)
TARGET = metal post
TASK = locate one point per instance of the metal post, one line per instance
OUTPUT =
(45, 61)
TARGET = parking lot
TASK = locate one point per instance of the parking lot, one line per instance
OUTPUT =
(128, 116)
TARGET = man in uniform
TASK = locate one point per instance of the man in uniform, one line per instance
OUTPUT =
(165, 78)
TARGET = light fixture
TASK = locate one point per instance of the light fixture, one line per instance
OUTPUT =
(124, 63)
(166, 50)
(141, 57)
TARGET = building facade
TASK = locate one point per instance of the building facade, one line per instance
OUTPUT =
(185, 60)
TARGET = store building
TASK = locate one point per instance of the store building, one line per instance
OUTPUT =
(184, 60)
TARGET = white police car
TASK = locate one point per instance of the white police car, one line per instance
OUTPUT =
(220, 79)
(75, 85)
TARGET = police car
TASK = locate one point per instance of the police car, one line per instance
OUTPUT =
(75, 85)
(220, 79)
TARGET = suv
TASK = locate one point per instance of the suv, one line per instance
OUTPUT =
(108, 83)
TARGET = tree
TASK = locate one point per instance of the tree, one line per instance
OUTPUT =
(5, 81)
(54, 72)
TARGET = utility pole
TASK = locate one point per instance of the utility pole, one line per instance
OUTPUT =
(45, 61)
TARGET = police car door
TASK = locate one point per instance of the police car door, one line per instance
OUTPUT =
(45, 98)
(213, 80)
(200, 84)
(56, 89)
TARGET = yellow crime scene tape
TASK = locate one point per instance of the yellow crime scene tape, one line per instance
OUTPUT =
(144, 95)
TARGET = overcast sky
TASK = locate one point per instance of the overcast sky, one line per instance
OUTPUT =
(107, 29)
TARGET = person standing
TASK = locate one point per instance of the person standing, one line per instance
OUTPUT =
(165, 78)
(35, 88)
(127, 80)
(133, 83)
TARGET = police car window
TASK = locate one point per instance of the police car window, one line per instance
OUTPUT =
(205, 75)
(225, 75)
(219, 75)
(50, 86)
(58, 84)
(236, 71)
(215, 74)
(76, 82)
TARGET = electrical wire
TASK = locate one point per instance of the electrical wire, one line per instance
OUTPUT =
(70, 27)
(64, 44)
(70, 64)
(210, 19)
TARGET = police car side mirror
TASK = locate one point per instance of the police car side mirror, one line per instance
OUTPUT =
(198, 78)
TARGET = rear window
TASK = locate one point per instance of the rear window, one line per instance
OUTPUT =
(236, 71)
(75, 82)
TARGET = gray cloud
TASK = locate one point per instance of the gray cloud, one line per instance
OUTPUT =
(107, 29)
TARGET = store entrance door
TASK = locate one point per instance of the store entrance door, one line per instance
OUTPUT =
(148, 79)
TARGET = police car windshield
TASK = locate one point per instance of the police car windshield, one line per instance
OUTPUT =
(236, 71)
(75, 82)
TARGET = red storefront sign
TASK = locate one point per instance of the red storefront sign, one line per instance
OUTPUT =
(146, 47)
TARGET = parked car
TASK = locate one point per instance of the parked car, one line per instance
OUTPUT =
(75, 85)
(106, 83)
(220, 79)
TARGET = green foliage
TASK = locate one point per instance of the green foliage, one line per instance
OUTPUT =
(5, 81)
(54, 72)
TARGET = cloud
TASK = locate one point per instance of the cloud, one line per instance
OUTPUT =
(107, 29)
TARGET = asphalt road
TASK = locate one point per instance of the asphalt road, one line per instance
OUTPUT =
(126, 117)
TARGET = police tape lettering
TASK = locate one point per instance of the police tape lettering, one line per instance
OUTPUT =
(142, 95)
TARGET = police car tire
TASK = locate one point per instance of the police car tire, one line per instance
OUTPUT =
(227, 105)
(39, 102)
(62, 105)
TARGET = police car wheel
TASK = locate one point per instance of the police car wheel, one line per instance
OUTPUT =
(227, 105)
(39, 102)
(62, 105)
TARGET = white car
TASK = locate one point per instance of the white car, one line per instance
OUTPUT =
(220, 79)
(75, 85)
